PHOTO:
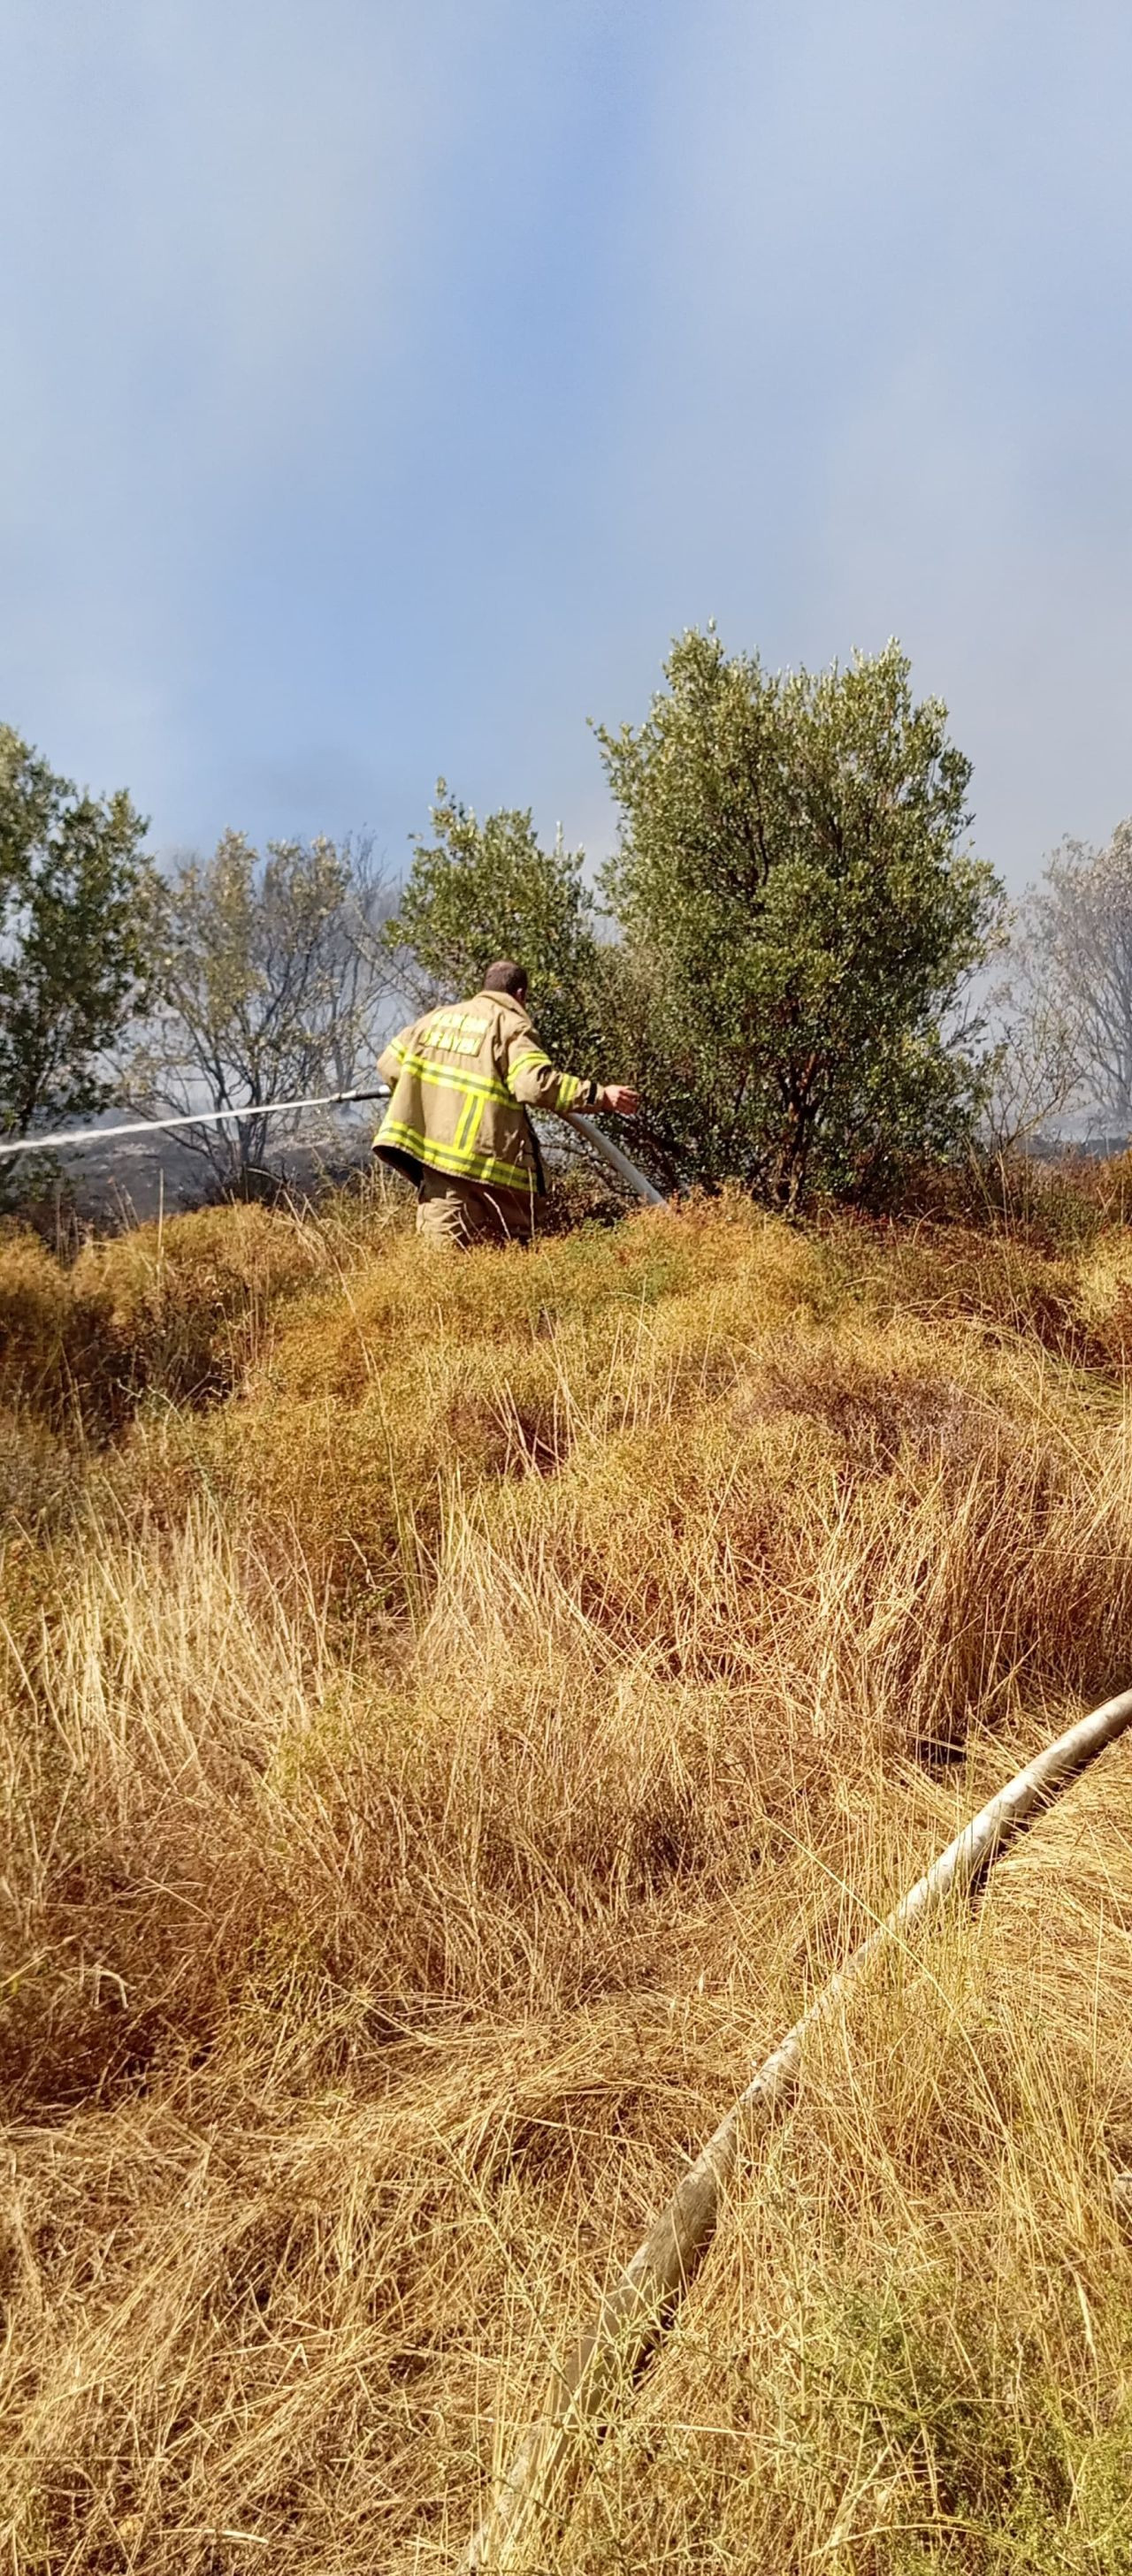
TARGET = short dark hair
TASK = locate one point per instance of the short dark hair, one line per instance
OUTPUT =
(506, 977)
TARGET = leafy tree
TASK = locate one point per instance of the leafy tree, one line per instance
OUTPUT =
(797, 902)
(72, 967)
(269, 975)
(1078, 951)
(477, 891)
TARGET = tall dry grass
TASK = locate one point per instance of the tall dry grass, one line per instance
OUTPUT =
(453, 1714)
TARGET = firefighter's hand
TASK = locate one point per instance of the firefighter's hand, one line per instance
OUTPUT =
(618, 1097)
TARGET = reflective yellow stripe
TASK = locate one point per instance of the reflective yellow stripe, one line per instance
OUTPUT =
(532, 1060)
(466, 1130)
(464, 1164)
(464, 1080)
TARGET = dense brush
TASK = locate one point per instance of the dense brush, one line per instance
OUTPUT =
(454, 1713)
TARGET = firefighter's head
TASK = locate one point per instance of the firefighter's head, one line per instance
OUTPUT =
(506, 977)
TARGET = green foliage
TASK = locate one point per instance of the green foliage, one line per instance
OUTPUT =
(478, 891)
(952, 2428)
(802, 918)
(71, 961)
(799, 921)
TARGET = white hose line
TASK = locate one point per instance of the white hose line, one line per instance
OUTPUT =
(591, 1136)
(612, 1154)
(189, 1118)
(634, 2314)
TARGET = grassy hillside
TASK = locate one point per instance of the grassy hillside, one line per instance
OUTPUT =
(453, 1716)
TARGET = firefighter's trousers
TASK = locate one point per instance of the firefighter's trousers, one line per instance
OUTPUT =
(463, 1213)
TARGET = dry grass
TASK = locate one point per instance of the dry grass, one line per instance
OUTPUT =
(454, 1713)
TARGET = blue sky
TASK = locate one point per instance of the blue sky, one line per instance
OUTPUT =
(385, 381)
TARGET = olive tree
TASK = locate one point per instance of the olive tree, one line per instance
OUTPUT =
(72, 953)
(799, 905)
(481, 890)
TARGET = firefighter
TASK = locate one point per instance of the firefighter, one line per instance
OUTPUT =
(462, 1080)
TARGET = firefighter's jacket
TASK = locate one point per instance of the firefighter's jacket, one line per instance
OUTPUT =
(462, 1080)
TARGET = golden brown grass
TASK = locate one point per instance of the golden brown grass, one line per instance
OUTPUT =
(454, 1713)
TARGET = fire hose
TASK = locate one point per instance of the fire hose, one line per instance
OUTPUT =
(604, 2363)
(592, 1136)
